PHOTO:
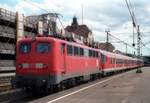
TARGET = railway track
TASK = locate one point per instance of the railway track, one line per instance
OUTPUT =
(5, 81)
(5, 87)
(7, 72)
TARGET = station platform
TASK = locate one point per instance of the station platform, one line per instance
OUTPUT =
(129, 87)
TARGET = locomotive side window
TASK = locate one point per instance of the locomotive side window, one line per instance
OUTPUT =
(25, 47)
(62, 48)
(76, 51)
(43, 47)
(69, 50)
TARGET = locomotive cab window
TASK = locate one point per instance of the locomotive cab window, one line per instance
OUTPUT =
(25, 47)
(43, 48)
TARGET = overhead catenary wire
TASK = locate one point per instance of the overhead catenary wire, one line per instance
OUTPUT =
(131, 13)
(143, 45)
(127, 32)
(121, 41)
(135, 22)
(132, 10)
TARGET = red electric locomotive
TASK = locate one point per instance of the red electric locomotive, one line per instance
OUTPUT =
(44, 62)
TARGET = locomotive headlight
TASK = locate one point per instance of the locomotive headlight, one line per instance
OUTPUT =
(40, 65)
(25, 65)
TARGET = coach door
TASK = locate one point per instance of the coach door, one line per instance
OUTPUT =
(100, 61)
(103, 60)
(63, 57)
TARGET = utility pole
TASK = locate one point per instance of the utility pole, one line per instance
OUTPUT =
(107, 40)
(138, 48)
(133, 34)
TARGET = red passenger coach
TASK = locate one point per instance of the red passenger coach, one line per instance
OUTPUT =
(112, 62)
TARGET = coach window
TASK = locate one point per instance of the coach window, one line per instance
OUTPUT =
(25, 47)
(69, 50)
(117, 61)
(120, 61)
(43, 47)
(86, 52)
(96, 54)
(90, 53)
(111, 60)
(81, 52)
(103, 58)
(93, 52)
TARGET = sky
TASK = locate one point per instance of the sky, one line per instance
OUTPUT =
(98, 15)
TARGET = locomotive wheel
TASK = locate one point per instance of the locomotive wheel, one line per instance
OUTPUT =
(70, 83)
(78, 80)
(28, 90)
(39, 90)
(45, 89)
(56, 88)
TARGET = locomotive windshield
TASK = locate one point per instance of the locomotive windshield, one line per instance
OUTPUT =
(43, 47)
(25, 47)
